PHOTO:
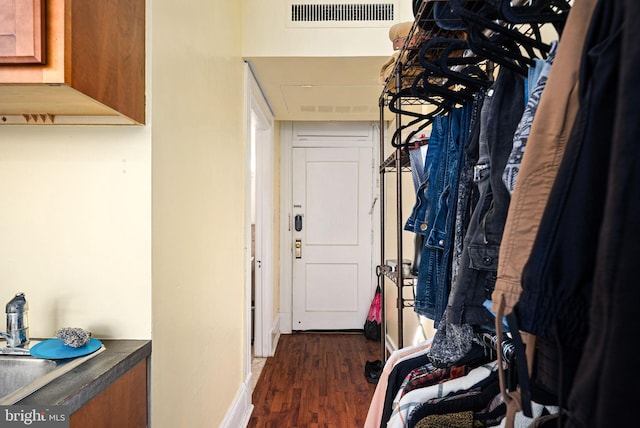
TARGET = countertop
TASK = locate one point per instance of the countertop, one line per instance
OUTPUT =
(81, 384)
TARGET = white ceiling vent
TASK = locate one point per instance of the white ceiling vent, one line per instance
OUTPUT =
(330, 14)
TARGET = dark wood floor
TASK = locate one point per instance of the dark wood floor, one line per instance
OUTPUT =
(315, 380)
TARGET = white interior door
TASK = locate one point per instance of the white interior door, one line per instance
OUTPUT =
(332, 237)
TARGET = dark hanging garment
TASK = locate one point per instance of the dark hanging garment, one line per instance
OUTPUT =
(606, 386)
(558, 277)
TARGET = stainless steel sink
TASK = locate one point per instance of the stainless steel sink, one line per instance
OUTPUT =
(21, 375)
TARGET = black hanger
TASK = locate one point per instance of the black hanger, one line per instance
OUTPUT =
(471, 74)
(441, 107)
(554, 12)
(426, 121)
(433, 87)
(489, 18)
(540, 11)
(439, 79)
(499, 49)
(395, 103)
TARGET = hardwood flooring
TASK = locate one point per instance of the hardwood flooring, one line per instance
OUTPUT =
(315, 380)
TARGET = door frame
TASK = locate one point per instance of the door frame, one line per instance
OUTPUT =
(318, 134)
(258, 115)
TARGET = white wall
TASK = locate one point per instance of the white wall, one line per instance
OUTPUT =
(75, 227)
(267, 33)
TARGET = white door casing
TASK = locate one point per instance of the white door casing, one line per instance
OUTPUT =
(260, 125)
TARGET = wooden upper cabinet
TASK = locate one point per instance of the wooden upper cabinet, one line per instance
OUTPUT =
(94, 71)
(22, 32)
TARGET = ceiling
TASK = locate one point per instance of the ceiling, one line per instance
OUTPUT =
(321, 88)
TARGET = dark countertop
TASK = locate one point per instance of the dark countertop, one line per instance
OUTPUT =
(81, 384)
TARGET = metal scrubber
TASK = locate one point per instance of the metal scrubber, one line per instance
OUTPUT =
(73, 336)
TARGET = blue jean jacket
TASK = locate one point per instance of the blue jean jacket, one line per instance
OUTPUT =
(440, 209)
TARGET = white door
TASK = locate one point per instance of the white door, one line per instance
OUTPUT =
(332, 237)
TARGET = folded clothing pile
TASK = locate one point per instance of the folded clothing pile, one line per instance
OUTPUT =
(398, 35)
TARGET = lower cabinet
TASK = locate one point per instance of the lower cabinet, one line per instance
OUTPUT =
(123, 404)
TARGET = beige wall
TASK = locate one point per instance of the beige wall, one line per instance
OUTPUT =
(75, 227)
(415, 328)
(198, 212)
(136, 231)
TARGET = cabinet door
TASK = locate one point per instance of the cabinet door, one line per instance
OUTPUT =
(122, 405)
(22, 32)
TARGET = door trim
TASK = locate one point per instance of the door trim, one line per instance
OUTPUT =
(316, 134)
(258, 113)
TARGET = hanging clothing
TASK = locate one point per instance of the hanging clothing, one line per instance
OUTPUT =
(417, 160)
(533, 75)
(501, 112)
(427, 375)
(396, 377)
(467, 190)
(521, 135)
(410, 401)
(421, 218)
(557, 278)
(538, 411)
(447, 410)
(374, 414)
(605, 388)
(434, 272)
(549, 132)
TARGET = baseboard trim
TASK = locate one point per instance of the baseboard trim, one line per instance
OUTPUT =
(285, 322)
(239, 413)
(275, 334)
(389, 344)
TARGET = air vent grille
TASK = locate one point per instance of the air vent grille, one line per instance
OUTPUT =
(342, 12)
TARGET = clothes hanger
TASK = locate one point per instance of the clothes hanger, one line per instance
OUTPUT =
(395, 103)
(471, 74)
(439, 79)
(427, 120)
(554, 12)
(432, 86)
(434, 81)
(489, 18)
(499, 49)
(490, 34)
(540, 11)
(442, 106)
(409, 140)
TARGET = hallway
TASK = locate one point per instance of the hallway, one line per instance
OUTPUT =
(315, 380)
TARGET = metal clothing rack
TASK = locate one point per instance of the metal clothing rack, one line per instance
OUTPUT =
(443, 91)
(396, 163)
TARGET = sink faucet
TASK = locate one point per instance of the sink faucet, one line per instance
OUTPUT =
(17, 334)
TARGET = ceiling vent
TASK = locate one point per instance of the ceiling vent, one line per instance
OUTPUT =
(356, 14)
